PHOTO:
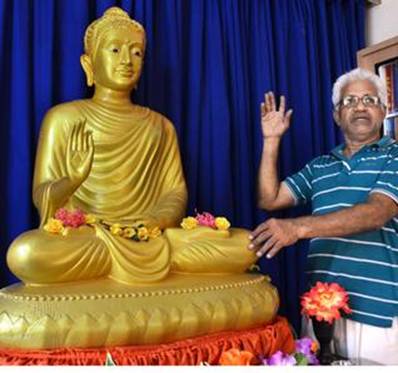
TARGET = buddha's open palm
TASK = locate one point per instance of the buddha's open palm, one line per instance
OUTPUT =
(79, 153)
(274, 123)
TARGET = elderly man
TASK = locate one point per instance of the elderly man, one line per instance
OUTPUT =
(353, 191)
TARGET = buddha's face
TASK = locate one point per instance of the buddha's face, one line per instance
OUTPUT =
(118, 60)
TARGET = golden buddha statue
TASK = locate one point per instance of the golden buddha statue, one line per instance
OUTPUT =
(119, 162)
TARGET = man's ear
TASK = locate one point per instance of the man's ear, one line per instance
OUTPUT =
(336, 116)
(384, 110)
(87, 66)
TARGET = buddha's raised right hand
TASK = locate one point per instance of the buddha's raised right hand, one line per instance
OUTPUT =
(79, 153)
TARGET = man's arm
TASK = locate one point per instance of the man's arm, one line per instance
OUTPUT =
(274, 234)
(272, 194)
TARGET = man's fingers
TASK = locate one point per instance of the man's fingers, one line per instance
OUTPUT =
(260, 239)
(288, 116)
(267, 102)
(267, 246)
(262, 108)
(282, 105)
(272, 101)
(262, 227)
(274, 250)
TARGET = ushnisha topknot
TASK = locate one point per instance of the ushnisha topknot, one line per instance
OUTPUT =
(113, 18)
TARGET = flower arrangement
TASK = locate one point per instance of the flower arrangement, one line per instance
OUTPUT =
(304, 354)
(205, 219)
(324, 302)
(65, 219)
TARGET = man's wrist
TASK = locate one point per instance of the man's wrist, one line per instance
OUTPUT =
(271, 143)
(302, 228)
(272, 139)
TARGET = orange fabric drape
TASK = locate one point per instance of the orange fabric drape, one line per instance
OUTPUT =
(260, 341)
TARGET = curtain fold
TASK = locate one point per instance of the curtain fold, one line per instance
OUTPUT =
(207, 66)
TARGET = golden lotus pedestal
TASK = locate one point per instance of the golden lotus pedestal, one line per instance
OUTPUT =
(106, 313)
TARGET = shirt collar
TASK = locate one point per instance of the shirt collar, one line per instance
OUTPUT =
(384, 142)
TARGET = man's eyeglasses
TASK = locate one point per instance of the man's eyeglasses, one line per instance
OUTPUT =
(353, 101)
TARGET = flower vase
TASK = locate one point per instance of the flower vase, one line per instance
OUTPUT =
(323, 331)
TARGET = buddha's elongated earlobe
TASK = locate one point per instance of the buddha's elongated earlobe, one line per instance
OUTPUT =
(87, 66)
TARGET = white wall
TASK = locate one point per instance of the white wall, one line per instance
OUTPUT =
(381, 22)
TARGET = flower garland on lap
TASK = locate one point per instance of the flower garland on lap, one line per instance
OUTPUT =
(65, 219)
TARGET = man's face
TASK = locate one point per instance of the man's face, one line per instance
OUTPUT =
(360, 123)
(118, 60)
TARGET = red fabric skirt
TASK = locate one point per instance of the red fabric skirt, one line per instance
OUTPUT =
(260, 341)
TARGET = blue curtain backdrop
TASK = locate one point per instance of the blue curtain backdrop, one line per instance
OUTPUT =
(208, 63)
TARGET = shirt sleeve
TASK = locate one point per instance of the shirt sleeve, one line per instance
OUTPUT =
(300, 185)
(387, 182)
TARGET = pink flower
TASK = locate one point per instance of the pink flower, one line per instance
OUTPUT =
(77, 218)
(61, 214)
(206, 219)
(279, 358)
(72, 219)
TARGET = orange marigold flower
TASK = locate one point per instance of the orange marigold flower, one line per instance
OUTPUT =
(154, 232)
(234, 356)
(314, 346)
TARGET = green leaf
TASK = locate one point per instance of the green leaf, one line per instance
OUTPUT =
(301, 359)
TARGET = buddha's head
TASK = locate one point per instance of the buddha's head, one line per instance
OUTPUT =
(114, 47)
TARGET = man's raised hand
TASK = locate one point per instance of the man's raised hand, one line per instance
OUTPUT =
(274, 123)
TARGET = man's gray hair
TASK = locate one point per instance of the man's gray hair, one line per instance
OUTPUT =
(359, 74)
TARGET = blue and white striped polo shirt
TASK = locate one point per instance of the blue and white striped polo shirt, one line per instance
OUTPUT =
(365, 264)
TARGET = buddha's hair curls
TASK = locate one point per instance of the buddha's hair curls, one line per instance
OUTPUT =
(113, 18)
